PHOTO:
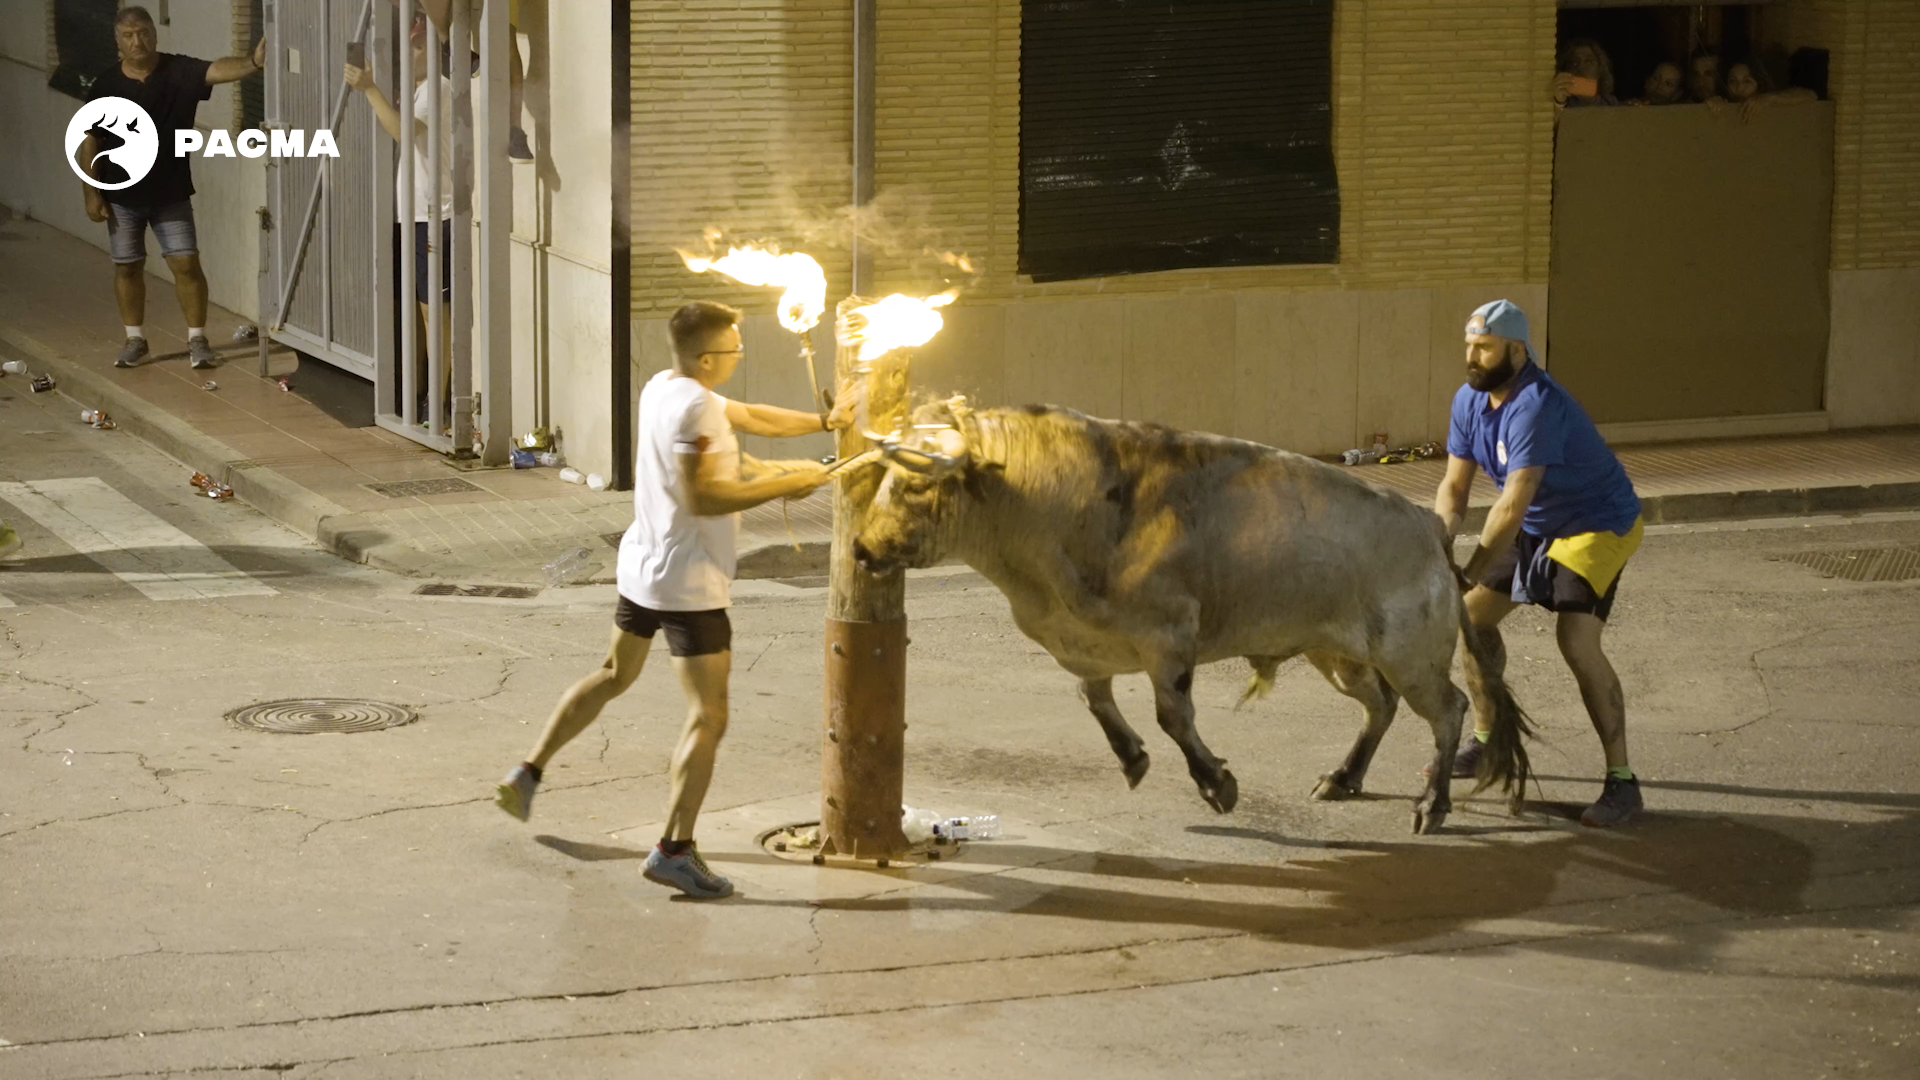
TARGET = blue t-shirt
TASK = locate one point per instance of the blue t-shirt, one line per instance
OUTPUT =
(1583, 490)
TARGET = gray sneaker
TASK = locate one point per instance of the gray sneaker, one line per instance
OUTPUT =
(1466, 759)
(515, 793)
(199, 353)
(1619, 801)
(134, 351)
(686, 872)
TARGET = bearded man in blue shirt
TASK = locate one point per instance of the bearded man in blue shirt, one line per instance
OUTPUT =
(1565, 524)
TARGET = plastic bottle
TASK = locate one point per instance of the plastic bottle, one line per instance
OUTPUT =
(549, 458)
(918, 825)
(521, 459)
(567, 567)
(974, 827)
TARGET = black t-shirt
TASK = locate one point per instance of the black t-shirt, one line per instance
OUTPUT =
(171, 94)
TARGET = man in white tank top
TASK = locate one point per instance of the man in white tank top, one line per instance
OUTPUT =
(676, 566)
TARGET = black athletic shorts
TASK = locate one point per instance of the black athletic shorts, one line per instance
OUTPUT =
(689, 633)
(1528, 576)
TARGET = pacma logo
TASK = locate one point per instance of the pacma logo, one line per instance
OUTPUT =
(125, 143)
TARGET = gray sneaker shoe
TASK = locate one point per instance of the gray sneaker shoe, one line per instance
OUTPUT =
(200, 354)
(134, 351)
(1619, 801)
(1466, 759)
(686, 872)
(515, 793)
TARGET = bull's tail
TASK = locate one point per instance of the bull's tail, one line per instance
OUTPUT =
(1505, 761)
(1261, 683)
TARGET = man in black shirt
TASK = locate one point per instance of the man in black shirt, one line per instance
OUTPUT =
(170, 88)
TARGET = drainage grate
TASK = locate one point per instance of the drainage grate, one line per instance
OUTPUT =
(307, 716)
(1862, 564)
(400, 489)
(511, 592)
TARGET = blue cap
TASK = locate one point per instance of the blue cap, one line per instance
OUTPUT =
(1501, 318)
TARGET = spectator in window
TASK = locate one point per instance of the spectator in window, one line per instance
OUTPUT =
(440, 11)
(1662, 86)
(1585, 75)
(170, 88)
(1748, 87)
(1703, 77)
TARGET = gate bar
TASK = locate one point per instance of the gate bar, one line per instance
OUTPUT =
(319, 182)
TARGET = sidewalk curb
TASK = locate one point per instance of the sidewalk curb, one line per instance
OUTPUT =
(305, 512)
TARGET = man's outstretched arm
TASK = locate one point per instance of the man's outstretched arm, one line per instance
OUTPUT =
(235, 68)
(1503, 520)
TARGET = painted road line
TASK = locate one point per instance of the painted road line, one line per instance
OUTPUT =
(129, 541)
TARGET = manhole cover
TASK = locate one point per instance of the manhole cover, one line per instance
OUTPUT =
(1863, 564)
(511, 592)
(400, 489)
(306, 716)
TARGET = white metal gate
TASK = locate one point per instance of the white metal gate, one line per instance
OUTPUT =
(337, 281)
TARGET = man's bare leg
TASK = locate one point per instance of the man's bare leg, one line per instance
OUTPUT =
(190, 285)
(581, 704)
(1579, 636)
(704, 679)
(130, 292)
(578, 707)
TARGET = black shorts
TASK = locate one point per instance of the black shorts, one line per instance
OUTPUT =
(423, 261)
(1528, 576)
(689, 633)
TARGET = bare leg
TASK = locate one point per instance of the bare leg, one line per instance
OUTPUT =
(704, 678)
(582, 702)
(130, 292)
(1364, 684)
(190, 285)
(516, 79)
(1098, 694)
(1579, 635)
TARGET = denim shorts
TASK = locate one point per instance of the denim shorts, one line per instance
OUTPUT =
(172, 226)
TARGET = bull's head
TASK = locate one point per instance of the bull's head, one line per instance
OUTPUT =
(916, 509)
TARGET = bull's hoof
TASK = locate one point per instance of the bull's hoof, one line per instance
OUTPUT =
(1427, 820)
(1224, 793)
(1136, 770)
(1332, 789)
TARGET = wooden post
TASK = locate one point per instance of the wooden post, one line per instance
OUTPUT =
(863, 746)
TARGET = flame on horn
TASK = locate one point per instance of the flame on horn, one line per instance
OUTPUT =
(803, 298)
(894, 322)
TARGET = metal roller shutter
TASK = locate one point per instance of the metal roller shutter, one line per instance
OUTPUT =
(1161, 134)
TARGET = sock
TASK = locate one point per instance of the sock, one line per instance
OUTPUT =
(1481, 737)
(533, 769)
(196, 332)
(136, 331)
(1619, 772)
(673, 849)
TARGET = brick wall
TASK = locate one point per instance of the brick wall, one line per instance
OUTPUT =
(1443, 140)
(740, 121)
(1876, 195)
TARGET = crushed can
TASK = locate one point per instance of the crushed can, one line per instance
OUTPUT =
(521, 459)
(209, 385)
(41, 384)
(245, 332)
(284, 385)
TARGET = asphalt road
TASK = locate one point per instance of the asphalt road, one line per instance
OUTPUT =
(184, 898)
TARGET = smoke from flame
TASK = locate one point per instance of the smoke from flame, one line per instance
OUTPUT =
(894, 322)
(803, 298)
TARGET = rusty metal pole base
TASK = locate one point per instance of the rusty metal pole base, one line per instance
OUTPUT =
(863, 749)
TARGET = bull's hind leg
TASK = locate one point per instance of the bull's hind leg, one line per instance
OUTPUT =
(1365, 684)
(1433, 695)
(1126, 743)
(1173, 707)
